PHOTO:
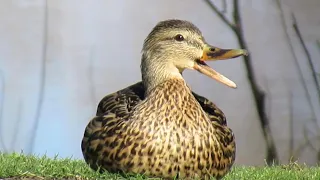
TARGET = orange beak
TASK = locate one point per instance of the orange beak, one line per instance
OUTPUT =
(211, 53)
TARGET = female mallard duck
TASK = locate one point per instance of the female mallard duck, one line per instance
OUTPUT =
(159, 127)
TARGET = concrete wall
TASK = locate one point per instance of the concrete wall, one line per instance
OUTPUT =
(82, 50)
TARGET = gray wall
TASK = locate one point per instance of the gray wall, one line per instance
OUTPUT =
(58, 59)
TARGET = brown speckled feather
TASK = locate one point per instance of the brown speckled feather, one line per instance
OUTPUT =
(190, 142)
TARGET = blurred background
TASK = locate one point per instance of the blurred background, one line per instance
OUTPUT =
(59, 58)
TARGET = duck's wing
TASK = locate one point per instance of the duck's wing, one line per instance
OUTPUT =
(214, 113)
(114, 107)
(122, 102)
(112, 110)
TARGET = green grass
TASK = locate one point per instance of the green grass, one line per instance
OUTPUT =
(18, 166)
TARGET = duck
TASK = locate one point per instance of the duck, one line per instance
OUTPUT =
(159, 127)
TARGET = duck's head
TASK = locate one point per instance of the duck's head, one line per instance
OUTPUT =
(176, 45)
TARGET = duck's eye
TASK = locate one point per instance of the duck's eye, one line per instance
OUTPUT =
(179, 37)
(212, 49)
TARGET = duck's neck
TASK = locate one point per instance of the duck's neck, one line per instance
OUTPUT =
(157, 71)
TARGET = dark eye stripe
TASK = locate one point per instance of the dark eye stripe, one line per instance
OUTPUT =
(191, 43)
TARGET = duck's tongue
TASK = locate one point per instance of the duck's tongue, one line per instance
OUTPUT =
(211, 53)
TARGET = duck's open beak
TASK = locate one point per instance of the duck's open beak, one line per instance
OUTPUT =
(211, 53)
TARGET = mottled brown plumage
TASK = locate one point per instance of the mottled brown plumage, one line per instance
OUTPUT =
(159, 127)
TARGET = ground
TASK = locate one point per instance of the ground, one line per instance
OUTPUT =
(18, 166)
